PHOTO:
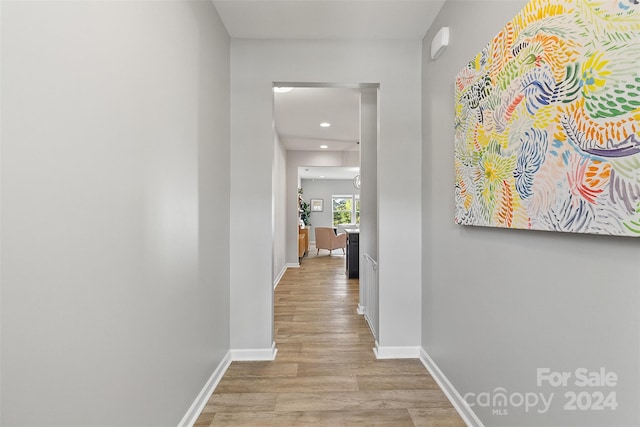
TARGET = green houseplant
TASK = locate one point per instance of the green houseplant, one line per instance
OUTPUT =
(304, 210)
(305, 213)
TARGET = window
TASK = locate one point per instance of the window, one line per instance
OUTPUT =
(345, 208)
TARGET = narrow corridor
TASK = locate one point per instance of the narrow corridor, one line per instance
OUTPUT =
(325, 372)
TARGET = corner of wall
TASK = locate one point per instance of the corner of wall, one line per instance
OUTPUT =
(456, 399)
(203, 397)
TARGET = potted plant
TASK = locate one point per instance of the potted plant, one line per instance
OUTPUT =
(304, 210)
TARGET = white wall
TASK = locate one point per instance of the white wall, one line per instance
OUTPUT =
(395, 65)
(499, 304)
(368, 174)
(279, 208)
(324, 189)
(115, 210)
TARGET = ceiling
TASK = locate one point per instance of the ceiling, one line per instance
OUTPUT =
(298, 113)
(328, 19)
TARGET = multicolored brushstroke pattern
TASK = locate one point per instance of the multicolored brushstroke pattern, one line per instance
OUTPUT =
(548, 121)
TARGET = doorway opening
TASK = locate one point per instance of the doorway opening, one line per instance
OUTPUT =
(315, 126)
(325, 167)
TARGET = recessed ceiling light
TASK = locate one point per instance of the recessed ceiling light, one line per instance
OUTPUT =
(282, 89)
(324, 146)
(321, 176)
(325, 124)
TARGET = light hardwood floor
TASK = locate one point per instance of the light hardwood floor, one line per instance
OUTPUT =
(325, 372)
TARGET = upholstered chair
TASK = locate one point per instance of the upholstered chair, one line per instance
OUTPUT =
(326, 238)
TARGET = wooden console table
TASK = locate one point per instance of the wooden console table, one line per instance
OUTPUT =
(303, 242)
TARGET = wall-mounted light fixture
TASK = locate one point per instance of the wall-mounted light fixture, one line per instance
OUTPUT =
(439, 42)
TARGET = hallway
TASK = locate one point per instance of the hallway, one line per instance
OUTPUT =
(325, 372)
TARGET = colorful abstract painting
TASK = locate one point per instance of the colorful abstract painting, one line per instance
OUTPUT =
(547, 130)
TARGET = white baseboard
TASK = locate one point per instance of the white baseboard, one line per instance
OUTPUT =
(284, 270)
(203, 397)
(458, 402)
(360, 309)
(254, 353)
(277, 279)
(396, 352)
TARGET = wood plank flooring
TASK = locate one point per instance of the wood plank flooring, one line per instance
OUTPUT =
(325, 372)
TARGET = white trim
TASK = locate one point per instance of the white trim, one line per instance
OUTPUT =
(361, 309)
(203, 397)
(254, 353)
(396, 352)
(284, 270)
(458, 402)
(277, 279)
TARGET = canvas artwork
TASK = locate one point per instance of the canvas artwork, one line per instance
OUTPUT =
(547, 130)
